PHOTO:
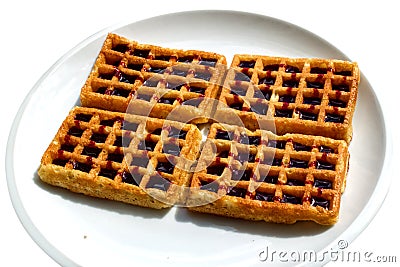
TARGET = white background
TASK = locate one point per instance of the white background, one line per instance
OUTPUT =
(34, 34)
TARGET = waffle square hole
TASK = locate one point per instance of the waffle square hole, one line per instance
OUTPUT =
(140, 161)
(156, 69)
(288, 198)
(238, 105)
(126, 78)
(158, 182)
(194, 102)
(133, 178)
(305, 115)
(122, 141)
(60, 162)
(263, 93)
(268, 80)
(98, 137)
(263, 196)
(108, 122)
(237, 192)
(83, 167)
(141, 53)
(247, 64)
(301, 147)
(162, 57)
(197, 89)
(298, 163)
(109, 173)
(216, 169)
(130, 126)
(144, 97)
(179, 72)
(185, 59)
(242, 175)
(83, 117)
(276, 144)
(166, 167)
(204, 75)
(326, 149)
(152, 82)
(211, 62)
(135, 66)
(284, 113)
(319, 70)
(147, 145)
(316, 84)
(224, 135)
(243, 156)
(209, 186)
(171, 148)
(337, 103)
(91, 151)
(271, 67)
(324, 165)
(177, 133)
(240, 76)
(336, 118)
(67, 147)
(292, 83)
(312, 101)
(340, 86)
(106, 76)
(322, 183)
(321, 202)
(120, 92)
(122, 48)
(173, 85)
(259, 108)
(287, 98)
(238, 90)
(166, 100)
(116, 157)
(75, 131)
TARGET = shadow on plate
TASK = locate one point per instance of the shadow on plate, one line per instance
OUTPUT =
(251, 227)
(99, 203)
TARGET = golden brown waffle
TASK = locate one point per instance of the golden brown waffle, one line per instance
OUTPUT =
(167, 78)
(122, 157)
(262, 176)
(300, 95)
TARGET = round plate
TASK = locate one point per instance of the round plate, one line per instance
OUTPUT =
(78, 230)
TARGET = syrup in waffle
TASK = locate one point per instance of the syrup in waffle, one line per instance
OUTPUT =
(257, 175)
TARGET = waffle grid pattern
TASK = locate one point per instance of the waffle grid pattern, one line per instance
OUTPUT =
(301, 95)
(258, 175)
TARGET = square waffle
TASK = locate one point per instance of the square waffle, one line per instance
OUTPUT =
(257, 175)
(122, 157)
(157, 79)
(299, 95)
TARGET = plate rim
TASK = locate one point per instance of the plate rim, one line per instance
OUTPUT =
(361, 222)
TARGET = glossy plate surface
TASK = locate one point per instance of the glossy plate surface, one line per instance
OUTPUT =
(78, 230)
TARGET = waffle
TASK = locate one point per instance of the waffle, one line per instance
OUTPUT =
(123, 157)
(299, 95)
(156, 79)
(257, 175)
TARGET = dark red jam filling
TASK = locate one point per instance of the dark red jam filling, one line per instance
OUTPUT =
(147, 145)
(166, 100)
(236, 105)
(120, 92)
(318, 70)
(217, 169)
(130, 126)
(177, 72)
(237, 192)
(101, 90)
(308, 116)
(81, 166)
(316, 201)
(247, 64)
(238, 90)
(140, 161)
(223, 154)
(67, 147)
(324, 184)
(325, 149)
(176, 133)
(271, 67)
(211, 62)
(109, 122)
(264, 197)
(156, 69)
(312, 101)
(172, 149)
(115, 157)
(187, 59)
(254, 140)
(196, 89)
(221, 134)
(109, 173)
(290, 199)
(292, 69)
(125, 78)
(239, 76)
(60, 162)
(106, 76)
(98, 137)
(287, 98)
(271, 179)
(75, 131)
(134, 179)
(267, 80)
(295, 182)
(157, 131)
(323, 165)
(151, 82)
(343, 73)
(259, 108)
(341, 87)
(158, 182)
(301, 147)
(290, 83)
(134, 66)
(141, 53)
(166, 167)
(337, 103)
(83, 117)
(298, 163)
(334, 118)
(317, 85)
(173, 86)
(240, 175)
(91, 151)
(284, 113)
(144, 97)
(122, 48)
(212, 187)
(203, 75)
(277, 144)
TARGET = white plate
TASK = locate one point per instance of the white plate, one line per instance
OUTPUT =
(79, 230)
